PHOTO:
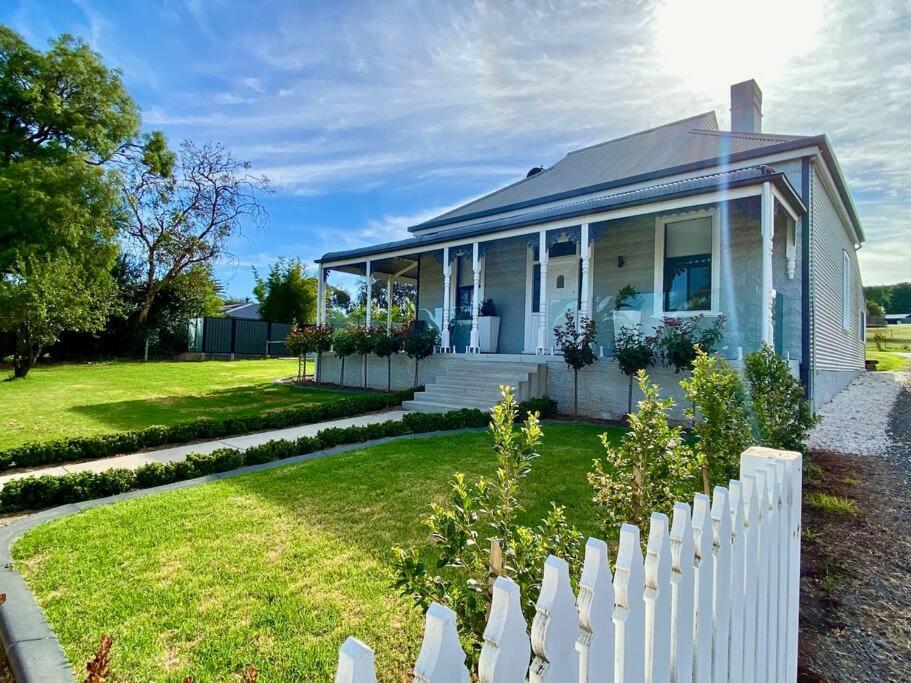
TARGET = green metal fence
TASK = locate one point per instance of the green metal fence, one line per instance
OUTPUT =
(237, 337)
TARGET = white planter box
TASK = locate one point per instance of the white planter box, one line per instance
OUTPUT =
(488, 333)
(625, 318)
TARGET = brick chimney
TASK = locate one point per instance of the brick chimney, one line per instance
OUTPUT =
(746, 107)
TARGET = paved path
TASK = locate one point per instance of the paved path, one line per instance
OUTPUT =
(134, 460)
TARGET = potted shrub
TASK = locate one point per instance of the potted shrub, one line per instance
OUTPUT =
(488, 327)
(625, 314)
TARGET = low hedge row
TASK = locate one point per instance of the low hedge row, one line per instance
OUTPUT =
(32, 493)
(105, 445)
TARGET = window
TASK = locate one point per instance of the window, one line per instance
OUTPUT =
(846, 290)
(464, 287)
(561, 282)
(863, 326)
(687, 264)
(562, 249)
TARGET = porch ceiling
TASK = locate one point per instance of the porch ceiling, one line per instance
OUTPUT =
(401, 268)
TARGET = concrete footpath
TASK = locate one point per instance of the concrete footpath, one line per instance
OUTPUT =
(174, 453)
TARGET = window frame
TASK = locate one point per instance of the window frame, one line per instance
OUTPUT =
(661, 223)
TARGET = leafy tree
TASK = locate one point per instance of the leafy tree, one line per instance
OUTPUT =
(678, 338)
(576, 344)
(43, 297)
(344, 344)
(477, 537)
(301, 341)
(782, 414)
(650, 469)
(875, 310)
(363, 345)
(720, 416)
(418, 343)
(286, 294)
(634, 352)
(322, 341)
(386, 344)
(176, 220)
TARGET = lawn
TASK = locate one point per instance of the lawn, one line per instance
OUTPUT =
(63, 400)
(887, 344)
(273, 569)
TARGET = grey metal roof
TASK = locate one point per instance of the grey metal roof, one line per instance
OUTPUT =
(585, 170)
(681, 188)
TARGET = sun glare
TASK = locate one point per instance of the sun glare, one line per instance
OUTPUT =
(713, 43)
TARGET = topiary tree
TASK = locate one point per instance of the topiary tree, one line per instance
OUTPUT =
(418, 344)
(634, 352)
(677, 339)
(781, 413)
(576, 344)
(650, 469)
(720, 417)
(477, 536)
(322, 341)
(301, 341)
(385, 345)
(344, 345)
(363, 345)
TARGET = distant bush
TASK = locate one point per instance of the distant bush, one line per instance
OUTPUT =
(544, 406)
(105, 445)
(32, 493)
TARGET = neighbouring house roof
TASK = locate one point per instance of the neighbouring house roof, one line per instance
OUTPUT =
(678, 147)
(585, 206)
(897, 316)
(247, 310)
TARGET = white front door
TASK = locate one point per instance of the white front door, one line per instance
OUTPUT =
(562, 293)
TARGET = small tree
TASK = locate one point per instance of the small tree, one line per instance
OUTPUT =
(576, 344)
(720, 417)
(477, 537)
(385, 345)
(650, 469)
(677, 339)
(782, 414)
(301, 341)
(634, 352)
(419, 344)
(344, 345)
(363, 345)
(322, 342)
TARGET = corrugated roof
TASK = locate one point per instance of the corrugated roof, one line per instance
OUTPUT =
(680, 188)
(675, 144)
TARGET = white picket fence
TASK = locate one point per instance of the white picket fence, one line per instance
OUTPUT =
(714, 599)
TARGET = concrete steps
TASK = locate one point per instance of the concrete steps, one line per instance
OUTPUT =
(476, 384)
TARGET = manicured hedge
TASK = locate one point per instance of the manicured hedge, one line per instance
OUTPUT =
(105, 445)
(32, 493)
(545, 406)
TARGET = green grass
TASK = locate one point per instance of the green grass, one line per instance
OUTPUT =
(273, 569)
(888, 360)
(826, 502)
(65, 400)
(884, 342)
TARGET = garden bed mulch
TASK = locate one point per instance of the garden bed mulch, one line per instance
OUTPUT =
(855, 606)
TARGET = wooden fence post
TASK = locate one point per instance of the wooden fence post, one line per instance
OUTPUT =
(629, 608)
(555, 627)
(355, 663)
(506, 650)
(772, 589)
(702, 631)
(596, 609)
(721, 585)
(738, 543)
(683, 556)
(658, 601)
(442, 659)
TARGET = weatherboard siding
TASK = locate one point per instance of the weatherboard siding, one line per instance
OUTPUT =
(504, 281)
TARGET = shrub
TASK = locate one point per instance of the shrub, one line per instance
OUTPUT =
(32, 493)
(488, 308)
(344, 343)
(575, 341)
(634, 352)
(301, 341)
(418, 343)
(105, 445)
(544, 406)
(720, 417)
(781, 413)
(677, 339)
(477, 537)
(627, 297)
(385, 344)
(322, 341)
(650, 469)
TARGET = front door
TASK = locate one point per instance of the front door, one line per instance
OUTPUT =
(562, 293)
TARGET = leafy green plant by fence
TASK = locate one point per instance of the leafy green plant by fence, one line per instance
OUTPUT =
(105, 445)
(781, 413)
(32, 493)
(477, 538)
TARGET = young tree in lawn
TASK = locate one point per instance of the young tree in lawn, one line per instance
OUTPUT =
(385, 345)
(418, 344)
(301, 341)
(189, 216)
(322, 342)
(576, 344)
(344, 345)
(634, 352)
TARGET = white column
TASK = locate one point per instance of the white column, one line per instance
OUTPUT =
(369, 292)
(766, 294)
(321, 296)
(542, 317)
(389, 304)
(585, 254)
(447, 277)
(475, 296)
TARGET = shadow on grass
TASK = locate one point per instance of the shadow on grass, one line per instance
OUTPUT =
(230, 402)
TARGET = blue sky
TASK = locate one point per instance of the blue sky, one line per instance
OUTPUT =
(369, 117)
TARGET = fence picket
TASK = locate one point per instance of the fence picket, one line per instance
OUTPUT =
(751, 532)
(683, 557)
(781, 583)
(506, 649)
(596, 608)
(355, 663)
(721, 583)
(738, 551)
(629, 608)
(555, 627)
(702, 627)
(771, 591)
(658, 601)
(442, 659)
(762, 577)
